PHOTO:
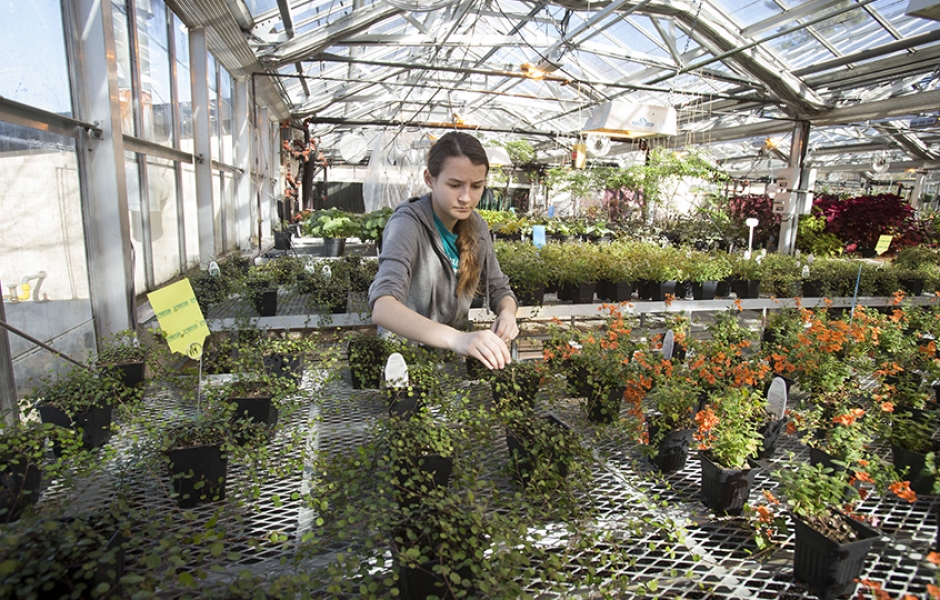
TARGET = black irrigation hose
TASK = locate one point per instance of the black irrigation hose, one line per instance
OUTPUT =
(43, 345)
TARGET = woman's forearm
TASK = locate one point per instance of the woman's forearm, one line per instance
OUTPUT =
(391, 314)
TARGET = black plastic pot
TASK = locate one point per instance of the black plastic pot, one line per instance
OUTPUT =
(913, 464)
(266, 302)
(618, 291)
(746, 288)
(334, 246)
(404, 402)
(830, 569)
(672, 450)
(94, 423)
(422, 582)
(282, 240)
(657, 290)
(257, 412)
(723, 289)
(430, 471)
(705, 290)
(108, 570)
(914, 287)
(605, 407)
(205, 465)
(284, 365)
(131, 375)
(20, 483)
(821, 457)
(531, 297)
(725, 491)
(643, 289)
(582, 293)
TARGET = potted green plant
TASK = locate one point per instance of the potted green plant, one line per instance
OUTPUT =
(260, 288)
(372, 225)
(705, 270)
(911, 441)
(616, 274)
(367, 354)
(746, 276)
(542, 449)
(81, 399)
(728, 438)
(523, 264)
(831, 545)
(573, 267)
(516, 384)
(196, 449)
(672, 405)
(421, 453)
(126, 357)
(22, 458)
(334, 225)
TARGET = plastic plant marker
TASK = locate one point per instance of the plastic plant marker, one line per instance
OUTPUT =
(669, 344)
(538, 235)
(396, 371)
(777, 398)
(214, 269)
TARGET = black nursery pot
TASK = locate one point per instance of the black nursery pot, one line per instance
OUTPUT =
(673, 448)
(614, 291)
(94, 423)
(725, 491)
(266, 303)
(515, 389)
(605, 408)
(581, 293)
(20, 483)
(201, 464)
(531, 297)
(284, 365)
(657, 290)
(914, 287)
(746, 288)
(405, 402)
(433, 472)
(108, 572)
(830, 569)
(334, 246)
(131, 375)
(913, 463)
(421, 582)
(705, 290)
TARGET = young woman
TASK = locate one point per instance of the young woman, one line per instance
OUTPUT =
(437, 255)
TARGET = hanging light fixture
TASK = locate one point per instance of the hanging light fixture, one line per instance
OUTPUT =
(621, 118)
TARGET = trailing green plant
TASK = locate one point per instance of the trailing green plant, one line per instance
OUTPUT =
(78, 389)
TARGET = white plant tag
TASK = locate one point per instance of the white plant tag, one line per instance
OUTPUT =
(310, 268)
(214, 270)
(327, 272)
(777, 398)
(669, 344)
(396, 371)
(805, 272)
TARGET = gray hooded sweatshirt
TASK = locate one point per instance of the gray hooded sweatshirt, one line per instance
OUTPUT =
(415, 270)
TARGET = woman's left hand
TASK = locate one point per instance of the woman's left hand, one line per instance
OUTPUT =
(505, 326)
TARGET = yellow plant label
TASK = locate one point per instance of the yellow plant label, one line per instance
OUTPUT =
(180, 318)
(884, 242)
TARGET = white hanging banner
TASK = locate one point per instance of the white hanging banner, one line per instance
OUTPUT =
(669, 344)
(396, 372)
(777, 397)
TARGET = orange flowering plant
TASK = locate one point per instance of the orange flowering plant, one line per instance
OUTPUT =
(728, 426)
(670, 405)
(826, 351)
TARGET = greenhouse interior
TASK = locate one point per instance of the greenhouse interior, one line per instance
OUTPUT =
(691, 351)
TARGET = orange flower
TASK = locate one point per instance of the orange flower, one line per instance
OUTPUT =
(902, 489)
(669, 299)
(933, 590)
(848, 418)
(887, 407)
(863, 476)
(738, 304)
(934, 557)
(770, 497)
(764, 514)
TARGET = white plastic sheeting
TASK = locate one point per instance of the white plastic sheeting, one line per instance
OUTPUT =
(395, 170)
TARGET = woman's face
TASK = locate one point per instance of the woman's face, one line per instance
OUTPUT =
(457, 190)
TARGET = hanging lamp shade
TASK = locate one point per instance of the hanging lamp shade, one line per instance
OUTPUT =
(621, 118)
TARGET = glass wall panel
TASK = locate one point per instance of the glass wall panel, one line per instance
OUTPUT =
(225, 115)
(133, 205)
(164, 222)
(217, 211)
(32, 44)
(190, 214)
(122, 47)
(228, 216)
(154, 56)
(214, 109)
(183, 84)
(41, 232)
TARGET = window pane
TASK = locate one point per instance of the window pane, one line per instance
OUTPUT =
(183, 84)
(154, 53)
(191, 215)
(133, 205)
(164, 225)
(41, 230)
(122, 47)
(32, 44)
(225, 115)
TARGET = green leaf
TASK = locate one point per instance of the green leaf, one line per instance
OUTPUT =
(153, 560)
(216, 549)
(187, 579)
(8, 566)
